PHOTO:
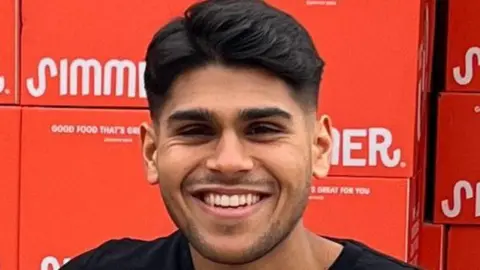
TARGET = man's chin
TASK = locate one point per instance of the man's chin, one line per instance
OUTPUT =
(229, 255)
(228, 250)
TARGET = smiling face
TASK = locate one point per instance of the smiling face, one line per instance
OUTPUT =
(233, 153)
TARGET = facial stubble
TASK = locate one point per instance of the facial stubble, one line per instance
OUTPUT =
(273, 236)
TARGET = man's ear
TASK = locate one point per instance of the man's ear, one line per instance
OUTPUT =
(322, 147)
(149, 152)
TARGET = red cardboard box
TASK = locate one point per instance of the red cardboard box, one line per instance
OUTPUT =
(463, 248)
(9, 51)
(83, 183)
(374, 75)
(89, 52)
(380, 212)
(430, 19)
(9, 186)
(457, 183)
(432, 246)
(463, 46)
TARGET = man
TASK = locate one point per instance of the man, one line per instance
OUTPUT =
(234, 143)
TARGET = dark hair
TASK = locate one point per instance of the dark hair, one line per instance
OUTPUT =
(239, 33)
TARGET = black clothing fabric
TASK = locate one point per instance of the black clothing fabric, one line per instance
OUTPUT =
(172, 253)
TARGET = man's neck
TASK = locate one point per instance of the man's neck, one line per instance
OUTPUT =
(300, 250)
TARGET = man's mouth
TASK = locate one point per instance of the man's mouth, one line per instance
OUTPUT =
(230, 203)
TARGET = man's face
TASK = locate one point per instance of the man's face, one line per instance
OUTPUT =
(233, 154)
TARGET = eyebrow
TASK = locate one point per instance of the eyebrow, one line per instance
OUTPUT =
(201, 115)
(258, 113)
(249, 114)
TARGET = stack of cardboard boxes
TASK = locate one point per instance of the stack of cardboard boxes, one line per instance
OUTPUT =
(9, 135)
(79, 181)
(457, 173)
(71, 173)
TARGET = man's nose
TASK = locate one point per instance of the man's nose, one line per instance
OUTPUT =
(230, 155)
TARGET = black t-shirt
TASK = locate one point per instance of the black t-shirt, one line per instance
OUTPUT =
(173, 253)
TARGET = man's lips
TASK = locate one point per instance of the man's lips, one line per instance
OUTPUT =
(230, 202)
(230, 212)
(229, 190)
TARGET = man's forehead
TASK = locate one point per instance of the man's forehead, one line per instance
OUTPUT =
(238, 87)
(226, 92)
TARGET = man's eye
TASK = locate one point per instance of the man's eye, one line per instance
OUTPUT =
(196, 131)
(262, 129)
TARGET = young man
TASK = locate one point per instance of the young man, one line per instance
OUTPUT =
(234, 143)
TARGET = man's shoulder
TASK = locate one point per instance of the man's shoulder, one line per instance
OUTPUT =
(372, 260)
(364, 257)
(130, 254)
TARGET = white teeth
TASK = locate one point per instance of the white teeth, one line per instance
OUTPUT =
(212, 199)
(242, 200)
(207, 200)
(225, 200)
(234, 201)
(237, 200)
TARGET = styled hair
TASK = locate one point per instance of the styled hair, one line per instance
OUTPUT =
(233, 33)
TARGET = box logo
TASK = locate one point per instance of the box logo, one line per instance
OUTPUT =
(51, 263)
(460, 187)
(377, 148)
(113, 78)
(2, 84)
(322, 2)
(470, 55)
